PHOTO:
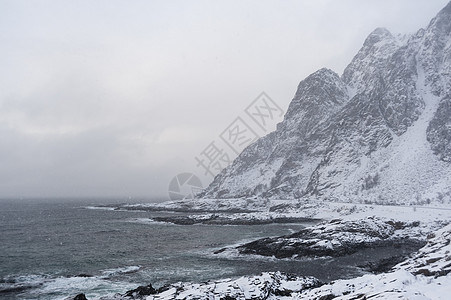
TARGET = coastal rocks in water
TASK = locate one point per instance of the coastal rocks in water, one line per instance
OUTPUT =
(83, 275)
(141, 292)
(80, 297)
(230, 219)
(336, 238)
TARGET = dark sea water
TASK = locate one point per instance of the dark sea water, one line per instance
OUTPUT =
(52, 249)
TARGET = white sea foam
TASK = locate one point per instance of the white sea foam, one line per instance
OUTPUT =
(148, 221)
(119, 271)
(94, 287)
(47, 287)
(99, 207)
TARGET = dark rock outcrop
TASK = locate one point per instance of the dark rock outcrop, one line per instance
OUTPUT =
(333, 239)
(80, 297)
(140, 292)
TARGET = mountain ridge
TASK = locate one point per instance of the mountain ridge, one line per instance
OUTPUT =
(381, 132)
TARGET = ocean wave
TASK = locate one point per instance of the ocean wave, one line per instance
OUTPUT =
(99, 207)
(13, 285)
(149, 221)
(45, 286)
(93, 287)
(120, 271)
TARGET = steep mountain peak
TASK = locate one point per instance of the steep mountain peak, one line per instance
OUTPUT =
(444, 15)
(380, 132)
(378, 35)
(317, 95)
(371, 60)
(316, 80)
(323, 72)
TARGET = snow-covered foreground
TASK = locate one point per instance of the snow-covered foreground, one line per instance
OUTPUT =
(426, 275)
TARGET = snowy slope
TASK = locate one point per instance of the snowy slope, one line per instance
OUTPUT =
(425, 276)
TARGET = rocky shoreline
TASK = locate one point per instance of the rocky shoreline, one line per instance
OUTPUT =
(424, 274)
(245, 205)
(334, 238)
(348, 233)
(216, 219)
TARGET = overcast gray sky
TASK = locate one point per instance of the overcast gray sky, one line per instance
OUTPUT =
(114, 98)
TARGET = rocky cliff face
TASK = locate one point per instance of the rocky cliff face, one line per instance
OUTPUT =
(381, 132)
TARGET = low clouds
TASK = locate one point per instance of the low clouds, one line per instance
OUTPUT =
(112, 98)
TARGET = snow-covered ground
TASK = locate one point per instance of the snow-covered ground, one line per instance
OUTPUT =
(203, 205)
(424, 276)
(233, 210)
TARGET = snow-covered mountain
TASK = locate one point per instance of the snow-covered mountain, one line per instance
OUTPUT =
(381, 132)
